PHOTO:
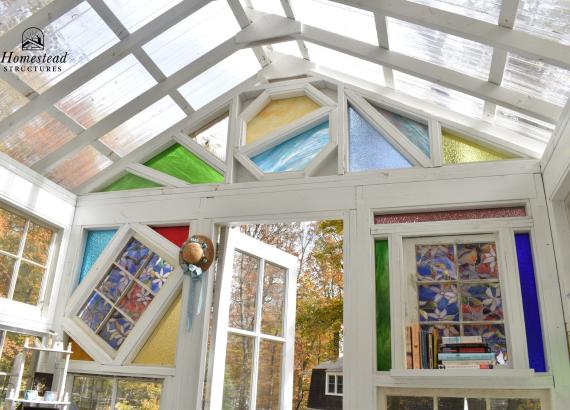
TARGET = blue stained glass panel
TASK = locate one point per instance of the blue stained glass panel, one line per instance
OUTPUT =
(532, 320)
(94, 245)
(415, 131)
(94, 311)
(295, 153)
(116, 330)
(155, 273)
(435, 262)
(114, 284)
(438, 302)
(368, 149)
(481, 302)
(133, 256)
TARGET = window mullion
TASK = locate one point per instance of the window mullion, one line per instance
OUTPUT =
(18, 263)
(257, 340)
(47, 269)
(114, 392)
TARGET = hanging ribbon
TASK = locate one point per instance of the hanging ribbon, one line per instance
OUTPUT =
(196, 274)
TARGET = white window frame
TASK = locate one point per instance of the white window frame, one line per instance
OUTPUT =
(329, 375)
(248, 245)
(96, 347)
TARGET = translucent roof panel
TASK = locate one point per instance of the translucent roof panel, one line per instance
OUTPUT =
(143, 126)
(214, 137)
(455, 53)
(269, 6)
(438, 94)
(39, 137)
(347, 64)
(486, 10)
(82, 34)
(523, 124)
(537, 78)
(107, 92)
(288, 47)
(193, 37)
(77, 168)
(545, 18)
(14, 12)
(338, 18)
(220, 78)
(135, 13)
(10, 100)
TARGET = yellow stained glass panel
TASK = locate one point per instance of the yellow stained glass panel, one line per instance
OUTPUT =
(457, 150)
(277, 114)
(160, 348)
(78, 352)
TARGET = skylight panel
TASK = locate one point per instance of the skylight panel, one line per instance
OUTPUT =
(438, 94)
(545, 18)
(456, 53)
(37, 138)
(486, 10)
(523, 124)
(77, 168)
(143, 126)
(537, 78)
(135, 13)
(10, 100)
(107, 92)
(14, 12)
(214, 137)
(288, 47)
(346, 64)
(269, 6)
(80, 33)
(220, 78)
(338, 18)
(193, 37)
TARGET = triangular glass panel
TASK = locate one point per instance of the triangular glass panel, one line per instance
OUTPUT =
(415, 131)
(78, 352)
(160, 348)
(180, 163)
(96, 242)
(457, 150)
(295, 153)
(130, 181)
(214, 137)
(368, 148)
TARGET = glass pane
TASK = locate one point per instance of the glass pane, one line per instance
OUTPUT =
(77, 168)
(486, 10)
(220, 78)
(39, 137)
(114, 284)
(545, 18)
(438, 302)
(14, 12)
(95, 244)
(143, 127)
(135, 14)
(80, 35)
(383, 329)
(10, 99)
(368, 149)
(338, 18)
(523, 124)
(435, 262)
(493, 335)
(38, 242)
(409, 403)
(6, 270)
(460, 403)
(515, 404)
(272, 309)
(295, 153)
(135, 301)
(339, 384)
(133, 256)
(11, 231)
(244, 291)
(446, 50)
(28, 284)
(478, 261)
(277, 114)
(130, 181)
(138, 394)
(107, 92)
(537, 78)
(288, 47)
(214, 138)
(91, 392)
(13, 344)
(415, 131)
(331, 383)
(269, 6)
(238, 373)
(458, 150)
(155, 273)
(457, 215)
(481, 302)
(116, 330)
(192, 37)
(180, 163)
(94, 311)
(269, 375)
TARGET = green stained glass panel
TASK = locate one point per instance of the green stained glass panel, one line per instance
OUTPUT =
(180, 163)
(130, 181)
(383, 338)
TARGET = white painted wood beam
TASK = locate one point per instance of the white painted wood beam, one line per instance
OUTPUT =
(66, 120)
(99, 64)
(244, 21)
(383, 41)
(109, 18)
(290, 13)
(16, 83)
(156, 176)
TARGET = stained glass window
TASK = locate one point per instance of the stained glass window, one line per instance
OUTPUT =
(125, 292)
(214, 137)
(368, 149)
(95, 243)
(415, 131)
(457, 150)
(459, 292)
(383, 335)
(130, 181)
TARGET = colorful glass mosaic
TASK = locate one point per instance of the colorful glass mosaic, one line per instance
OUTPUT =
(155, 273)
(492, 334)
(116, 330)
(456, 215)
(135, 301)
(94, 311)
(133, 256)
(458, 150)
(415, 131)
(481, 302)
(435, 262)
(438, 302)
(96, 242)
(478, 261)
(114, 284)
(383, 329)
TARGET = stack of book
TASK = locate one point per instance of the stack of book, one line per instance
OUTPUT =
(421, 348)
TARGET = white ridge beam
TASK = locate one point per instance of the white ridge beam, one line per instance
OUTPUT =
(244, 21)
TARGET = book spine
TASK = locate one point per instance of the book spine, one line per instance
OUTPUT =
(464, 350)
(424, 349)
(416, 346)
(446, 340)
(430, 350)
(435, 348)
(466, 362)
(409, 359)
(459, 365)
(466, 356)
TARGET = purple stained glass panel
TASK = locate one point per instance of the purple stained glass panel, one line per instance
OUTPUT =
(438, 302)
(114, 284)
(435, 262)
(155, 273)
(477, 261)
(133, 256)
(493, 335)
(481, 302)
(94, 311)
(455, 215)
(116, 330)
(135, 301)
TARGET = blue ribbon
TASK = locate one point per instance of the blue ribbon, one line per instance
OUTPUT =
(196, 274)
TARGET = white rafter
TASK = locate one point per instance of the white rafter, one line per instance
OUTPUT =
(290, 13)
(244, 21)
(384, 42)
